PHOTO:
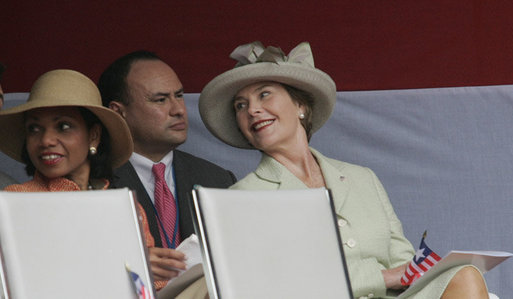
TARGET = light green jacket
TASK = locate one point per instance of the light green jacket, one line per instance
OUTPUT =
(370, 230)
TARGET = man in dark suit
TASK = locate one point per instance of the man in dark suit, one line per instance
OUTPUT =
(148, 94)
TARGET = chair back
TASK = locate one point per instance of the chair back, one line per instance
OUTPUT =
(71, 245)
(270, 244)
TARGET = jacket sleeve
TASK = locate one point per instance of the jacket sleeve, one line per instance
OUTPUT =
(390, 247)
(401, 250)
(366, 277)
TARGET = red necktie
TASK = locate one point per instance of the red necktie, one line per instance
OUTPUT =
(166, 206)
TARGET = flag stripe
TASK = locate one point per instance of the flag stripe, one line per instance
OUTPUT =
(423, 260)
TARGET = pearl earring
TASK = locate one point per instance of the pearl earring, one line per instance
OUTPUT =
(92, 150)
(301, 116)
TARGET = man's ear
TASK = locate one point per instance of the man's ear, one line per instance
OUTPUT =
(118, 107)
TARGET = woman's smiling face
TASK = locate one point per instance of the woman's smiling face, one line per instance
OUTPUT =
(267, 116)
(58, 141)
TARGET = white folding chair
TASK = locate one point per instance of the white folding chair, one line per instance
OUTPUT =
(71, 245)
(270, 244)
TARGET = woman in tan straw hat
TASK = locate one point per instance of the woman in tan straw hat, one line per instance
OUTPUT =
(66, 138)
(273, 103)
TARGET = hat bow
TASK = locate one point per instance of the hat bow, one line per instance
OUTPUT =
(255, 52)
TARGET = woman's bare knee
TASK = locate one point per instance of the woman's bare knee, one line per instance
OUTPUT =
(467, 283)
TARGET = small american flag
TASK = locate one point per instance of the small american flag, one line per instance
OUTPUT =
(423, 260)
(140, 289)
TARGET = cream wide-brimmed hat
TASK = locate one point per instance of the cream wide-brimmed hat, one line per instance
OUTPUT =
(59, 88)
(255, 64)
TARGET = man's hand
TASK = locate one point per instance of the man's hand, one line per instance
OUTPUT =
(165, 263)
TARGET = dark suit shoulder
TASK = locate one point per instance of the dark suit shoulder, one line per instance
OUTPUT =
(125, 176)
(194, 160)
(204, 171)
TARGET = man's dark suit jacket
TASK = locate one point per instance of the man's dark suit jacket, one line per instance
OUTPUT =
(189, 171)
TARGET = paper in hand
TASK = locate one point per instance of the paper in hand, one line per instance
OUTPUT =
(191, 248)
(194, 270)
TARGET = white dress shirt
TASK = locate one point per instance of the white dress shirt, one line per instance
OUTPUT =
(143, 166)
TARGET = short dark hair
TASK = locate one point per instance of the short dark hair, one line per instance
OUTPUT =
(112, 82)
(100, 164)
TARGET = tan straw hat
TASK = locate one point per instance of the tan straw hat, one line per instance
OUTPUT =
(64, 88)
(255, 64)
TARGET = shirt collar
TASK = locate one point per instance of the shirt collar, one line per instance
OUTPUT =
(143, 166)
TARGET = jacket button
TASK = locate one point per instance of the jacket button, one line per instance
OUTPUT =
(342, 222)
(351, 243)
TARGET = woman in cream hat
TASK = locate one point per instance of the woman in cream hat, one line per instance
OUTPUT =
(273, 103)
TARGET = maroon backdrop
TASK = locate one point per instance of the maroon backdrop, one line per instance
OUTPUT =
(362, 44)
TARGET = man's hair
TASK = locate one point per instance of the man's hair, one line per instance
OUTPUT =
(112, 83)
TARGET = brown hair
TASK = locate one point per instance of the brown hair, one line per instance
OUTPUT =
(306, 100)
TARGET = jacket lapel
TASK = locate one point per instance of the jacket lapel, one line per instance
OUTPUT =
(335, 178)
(184, 185)
(126, 176)
(272, 171)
